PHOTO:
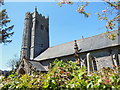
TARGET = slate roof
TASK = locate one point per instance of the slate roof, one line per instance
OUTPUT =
(38, 66)
(87, 44)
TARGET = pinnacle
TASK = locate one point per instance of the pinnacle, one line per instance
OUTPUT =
(35, 8)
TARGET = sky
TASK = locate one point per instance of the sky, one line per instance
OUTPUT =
(65, 24)
(55, 0)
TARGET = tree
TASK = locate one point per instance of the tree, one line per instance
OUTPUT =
(1, 2)
(112, 7)
(13, 62)
(5, 30)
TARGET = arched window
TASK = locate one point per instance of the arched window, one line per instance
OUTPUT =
(47, 29)
(94, 64)
(21, 71)
(42, 27)
(41, 45)
(118, 51)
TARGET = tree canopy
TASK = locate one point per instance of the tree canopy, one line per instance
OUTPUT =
(110, 14)
(5, 30)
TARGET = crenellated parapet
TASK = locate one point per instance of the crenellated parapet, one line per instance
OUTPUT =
(28, 15)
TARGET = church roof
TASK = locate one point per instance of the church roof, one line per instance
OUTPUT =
(37, 66)
(87, 44)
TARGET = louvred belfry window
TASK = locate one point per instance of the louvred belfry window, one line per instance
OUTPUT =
(42, 45)
(42, 27)
(47, 29)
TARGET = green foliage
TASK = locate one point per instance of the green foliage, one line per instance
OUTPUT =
(61, 74)
(5, 30)
(65, 75)
(22, 82)
(65, 2)
(110, 14)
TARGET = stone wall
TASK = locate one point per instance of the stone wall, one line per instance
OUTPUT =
(101, 58)
(26, 42)
(40, 34)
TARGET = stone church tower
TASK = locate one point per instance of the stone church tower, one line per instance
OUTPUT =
(35, 35)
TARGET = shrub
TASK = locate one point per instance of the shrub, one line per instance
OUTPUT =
(65, 75)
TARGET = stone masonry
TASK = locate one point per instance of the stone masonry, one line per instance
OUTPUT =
(35, 35)
(93, 52)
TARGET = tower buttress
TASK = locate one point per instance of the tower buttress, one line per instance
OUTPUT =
(34, 15)
(26, 42)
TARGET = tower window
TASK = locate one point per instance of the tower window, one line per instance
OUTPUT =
(118, 51)
(41, 45)
(42, 27)
(47, 29)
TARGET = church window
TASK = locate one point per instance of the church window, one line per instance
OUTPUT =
(42, 27)
(94, 65)
(118, 51)
(41, 45)
(47, 29)
(21, 71)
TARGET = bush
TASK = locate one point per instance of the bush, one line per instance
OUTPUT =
(65, 75)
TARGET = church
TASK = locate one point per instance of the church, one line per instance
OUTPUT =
(93, 52)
